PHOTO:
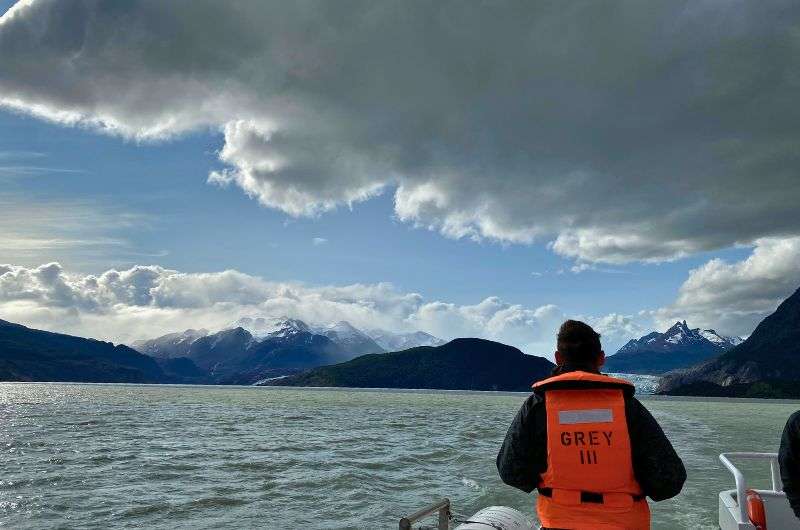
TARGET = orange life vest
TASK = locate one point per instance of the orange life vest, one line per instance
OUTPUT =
(589, 482)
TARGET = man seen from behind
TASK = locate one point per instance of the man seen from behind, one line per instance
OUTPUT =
(591, 449)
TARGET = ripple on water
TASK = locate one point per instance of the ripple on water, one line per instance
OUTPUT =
(174, 466)
(146, 510)
(213, 502)
(165, 457)
(253, 465)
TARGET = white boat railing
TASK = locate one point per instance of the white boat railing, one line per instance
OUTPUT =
(738, 476)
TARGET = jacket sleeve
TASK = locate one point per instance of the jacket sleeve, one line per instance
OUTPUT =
(523, 455)
(657, 467)
(789, 459)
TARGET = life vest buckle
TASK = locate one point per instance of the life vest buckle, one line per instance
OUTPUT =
(574, 497)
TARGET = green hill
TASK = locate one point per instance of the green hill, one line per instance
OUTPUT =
(33, 355)
(461, 364)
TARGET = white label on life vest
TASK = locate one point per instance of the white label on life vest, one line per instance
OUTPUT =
(571, 417)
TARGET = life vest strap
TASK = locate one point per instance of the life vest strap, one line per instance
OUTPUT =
(591, 497)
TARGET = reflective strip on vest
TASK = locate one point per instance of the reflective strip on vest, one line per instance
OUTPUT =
(572, 417)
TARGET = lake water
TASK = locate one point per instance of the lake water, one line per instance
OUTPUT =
(99, 456)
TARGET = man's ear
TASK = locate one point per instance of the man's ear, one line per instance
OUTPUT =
(559, 358)
(601, 359)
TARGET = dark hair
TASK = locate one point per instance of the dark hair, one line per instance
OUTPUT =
(578, 342)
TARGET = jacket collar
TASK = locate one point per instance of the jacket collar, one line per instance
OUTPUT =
(577, 379)
(574, 367)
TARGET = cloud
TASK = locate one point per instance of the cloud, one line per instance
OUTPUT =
(33, 229)
(317, 241)
(16, 155)
(9, 172)
(733, 298)
(295, 174)
(146, 301)
(638, 131)
(531, 329)
(582, 266)
(616, 329)
(22, 166)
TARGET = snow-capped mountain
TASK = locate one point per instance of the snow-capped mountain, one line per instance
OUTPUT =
(680, 335)
(765, 365)
(391, 341)
(350, 338)
(170, 345)
(723, 340)
(253, 348)
(342, 333)
(235, 355)
(678, 347)
(263, 327)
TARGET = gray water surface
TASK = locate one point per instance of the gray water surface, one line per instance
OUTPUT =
(99, 456)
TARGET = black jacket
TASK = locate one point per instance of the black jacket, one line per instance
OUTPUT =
(523, 457)
(789, 458)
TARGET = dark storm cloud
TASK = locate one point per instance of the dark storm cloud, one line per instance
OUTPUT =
(618, 131)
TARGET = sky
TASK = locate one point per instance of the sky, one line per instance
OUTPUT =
(465, 169)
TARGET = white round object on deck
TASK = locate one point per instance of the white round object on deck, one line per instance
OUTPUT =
(497, 518)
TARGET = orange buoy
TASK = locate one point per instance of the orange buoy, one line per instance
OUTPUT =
(756, 511)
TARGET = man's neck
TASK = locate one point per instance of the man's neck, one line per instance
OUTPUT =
(575, 367)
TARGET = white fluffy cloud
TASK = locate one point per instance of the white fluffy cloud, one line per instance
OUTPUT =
(531, 329)
(146, 301)
(734, 297)
(616, 329)
(638, 131)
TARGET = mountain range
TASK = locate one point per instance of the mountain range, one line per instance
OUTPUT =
(259, 348)
(285, 351)
(678, 347)
(764, 365)
(269, 348)
(461, 364)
